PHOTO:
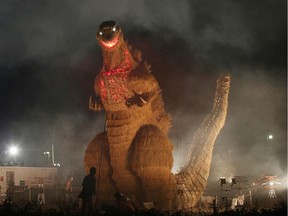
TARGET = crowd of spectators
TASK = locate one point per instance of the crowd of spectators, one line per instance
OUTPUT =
(33, 209)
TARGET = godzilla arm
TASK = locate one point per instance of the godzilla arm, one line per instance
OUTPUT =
(143, 86)
(96, 103)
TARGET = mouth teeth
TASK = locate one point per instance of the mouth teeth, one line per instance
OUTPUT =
(110, 44)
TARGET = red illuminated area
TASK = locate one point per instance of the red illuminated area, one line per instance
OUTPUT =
(113, 83)
(113, 86)
(110, 44)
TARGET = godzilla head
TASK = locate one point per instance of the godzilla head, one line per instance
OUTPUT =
(109, 34)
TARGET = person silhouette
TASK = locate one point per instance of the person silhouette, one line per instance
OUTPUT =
(68, 191)
(88, 190)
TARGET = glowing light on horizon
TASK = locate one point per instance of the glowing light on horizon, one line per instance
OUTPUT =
(270, 136)
(13, 150)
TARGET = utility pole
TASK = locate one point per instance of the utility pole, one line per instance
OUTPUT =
(250, 196)
(52, 141)
(52, 152)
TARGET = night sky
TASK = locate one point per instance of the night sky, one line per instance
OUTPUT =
(49, 58)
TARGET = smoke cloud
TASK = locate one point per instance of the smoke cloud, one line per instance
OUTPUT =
(49, 58)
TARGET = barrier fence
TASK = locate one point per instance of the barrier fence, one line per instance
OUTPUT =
(53, 195)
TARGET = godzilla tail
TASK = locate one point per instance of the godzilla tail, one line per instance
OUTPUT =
(192, 178)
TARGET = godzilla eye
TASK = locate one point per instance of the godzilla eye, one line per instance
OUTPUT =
(101, 33)
(114, 29)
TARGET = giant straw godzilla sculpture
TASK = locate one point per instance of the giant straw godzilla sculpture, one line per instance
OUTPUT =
(134, 153)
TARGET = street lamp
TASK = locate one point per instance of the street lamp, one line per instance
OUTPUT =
(48, 156)
(222, 180)
(233, 181)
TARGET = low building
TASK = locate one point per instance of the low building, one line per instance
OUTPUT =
(15, 180)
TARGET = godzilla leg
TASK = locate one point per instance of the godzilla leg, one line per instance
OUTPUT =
(97, 155)
(151, 159)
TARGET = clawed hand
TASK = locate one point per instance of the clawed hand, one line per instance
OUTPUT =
(95, 105)
(137, 99)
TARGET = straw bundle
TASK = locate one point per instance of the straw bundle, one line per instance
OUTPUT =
(134, 155)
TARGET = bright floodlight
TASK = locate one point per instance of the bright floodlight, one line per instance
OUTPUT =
(13, 150)
(222, 180)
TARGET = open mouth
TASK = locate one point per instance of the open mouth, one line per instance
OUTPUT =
(110, 44)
